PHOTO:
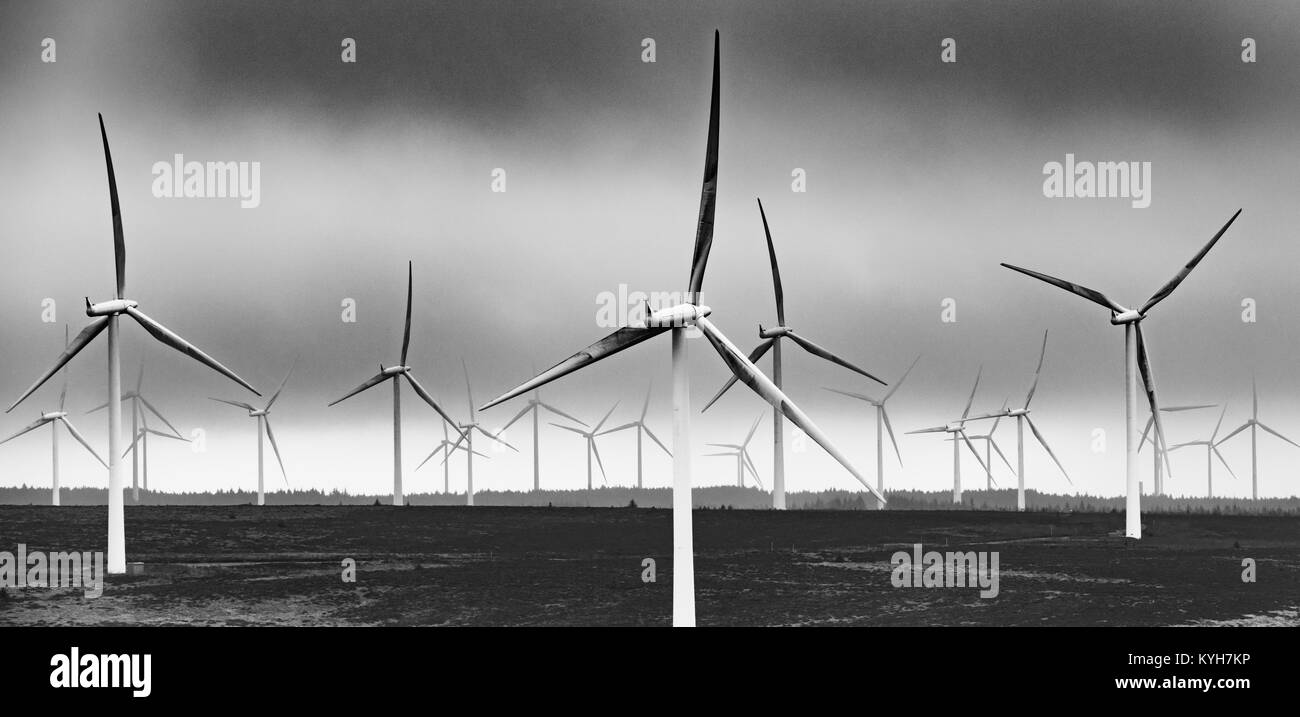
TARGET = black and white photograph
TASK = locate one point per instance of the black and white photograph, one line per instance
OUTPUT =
(962, 320)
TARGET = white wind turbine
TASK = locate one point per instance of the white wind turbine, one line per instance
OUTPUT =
(139, 427)
(263, 417)
(467, 435)
(740, 451)
(882, 423)
(106, 315)
(990, 445)
(1211, 451)
(772, 340)
(445, 447)
(54, 418)
(1254, 424)
(1160, 459)
(535, 405)
(641, 428)
(1135, 355)
(590, 436)
(1022, 417)
(677, 320)
(395, 373)
(957, 432)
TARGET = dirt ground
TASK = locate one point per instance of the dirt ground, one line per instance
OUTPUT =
(244, 565)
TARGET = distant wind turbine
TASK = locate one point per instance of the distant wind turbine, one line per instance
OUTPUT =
(991, 445)
(140, 442)
(590, 435)
(445, 447)
(882, 422)
(957, 430)
(263, 417)
(1211, 451)
(1135, 355)
(1254, 424)
(106, 315)
(772, 340)
(467, 436)
(534, 406)
(641, 428)
(394, 373)
(139, 404)
(54, 418)
(1159, 458)
(741, 453)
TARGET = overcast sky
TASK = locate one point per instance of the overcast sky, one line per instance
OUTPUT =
(921, 177)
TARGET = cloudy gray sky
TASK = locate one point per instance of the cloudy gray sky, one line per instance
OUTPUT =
(921, 177)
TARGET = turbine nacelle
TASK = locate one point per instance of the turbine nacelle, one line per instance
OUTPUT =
(394, 370)
(954, 427)
(1130, 316)
(773, 333)
(677, 316)
(53, 415)
(255, 414)
(109, 308)
(1017, 413)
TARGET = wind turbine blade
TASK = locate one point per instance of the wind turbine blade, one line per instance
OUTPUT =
(119, 240)
(973, 389)
(518, 416)
(719, 455)
(616, 429)
(1239, 429)
(1168, 288)
(63, 393)
(821, 352)
(236, 404)
(276, 395)
(1279, 435)
(850, 394)
(625, 337)
(900, 381)
(1148, 382)
(1091, 295)
(1254, 399)
(764, 387)
(80, 439)
(167, 337)
(966, 439)
(998, 419)
(1218, 425)
(368, 383)
(134, 441)
(935, 429)
(709, 188)
(469, 392)
(890, 429)
(558, 412)
(578, 431)
(1001, 455)
(431, 455)
(271, 435)
(29, 427)
(1143, 440)
(155, 412)
(754, 356)
(645, 407)
(748, 464)
(655, 438)
(606, 418)
(596, 451)
(1034, 386)
(776, 272)
(87, 334)
(1215, 449)
(165, 435)
(1176, 409)
(749, 436)
(733, 446)
(1043, 442)
(495, 437)
(423, 394)
(406, 332)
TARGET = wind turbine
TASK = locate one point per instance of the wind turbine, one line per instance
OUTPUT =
(54, 418)
(882, 422)
(590, 435)
(140, 404)
(535, 405)
(1135, 355)
(140, 441)
(1211, 450)
(741, 453)
(640, 427)
(446, 446)
(957, 430)
(1161, 460)
(1022, 417)
(105, 316)
(1254, 424)
(772, 340)
(677, 320)
(991, 445)
(467, 435)
(263, 417)
(394, 373)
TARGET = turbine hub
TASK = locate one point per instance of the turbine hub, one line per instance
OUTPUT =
(1018, 412)
(772, 333)
(394, 370)
(53, 415)
(262, 412)
(1131, 316)
(677, 316)
(109, 308)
